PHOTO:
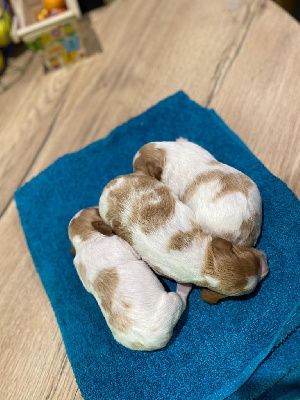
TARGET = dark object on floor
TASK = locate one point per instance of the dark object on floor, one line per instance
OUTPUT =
(291, 6)
(88, 5)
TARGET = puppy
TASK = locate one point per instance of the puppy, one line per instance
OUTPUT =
(226, 202)
(139, 312)
(145, 213)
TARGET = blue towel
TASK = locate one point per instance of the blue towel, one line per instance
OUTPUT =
(216, 350)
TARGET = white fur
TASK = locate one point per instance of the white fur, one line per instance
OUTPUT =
(185, 161)
(153, 312)
(212, 281)
(252, 282)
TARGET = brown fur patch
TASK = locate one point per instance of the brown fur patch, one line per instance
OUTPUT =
(114, 216)
(150, 205)
(87, 224)
(231, 265)
(153, 216)
(181, 240)
(137, 346)
(72, 250)
(230, 182)
(151, 161)
(105, 286)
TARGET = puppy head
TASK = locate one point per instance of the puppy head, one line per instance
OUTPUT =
(86, 223)
(150, 160)
(231, 270)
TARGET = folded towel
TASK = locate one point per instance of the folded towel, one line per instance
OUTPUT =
(270, 377)
(215, 350)
(287, 388)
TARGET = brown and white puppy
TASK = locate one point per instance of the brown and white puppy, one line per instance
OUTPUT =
(145, 213)
(139, 312)
(225, 201)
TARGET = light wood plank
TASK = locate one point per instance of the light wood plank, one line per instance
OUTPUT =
(33, 363)
(136, 69)
(264, 86)
(27, 113)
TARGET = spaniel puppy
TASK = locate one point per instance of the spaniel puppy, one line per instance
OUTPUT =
(139, 312)
(145, 213)
(226, 202)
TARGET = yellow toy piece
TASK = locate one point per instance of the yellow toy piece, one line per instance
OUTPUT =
(5, 23)
(42, 14)
(46, 39)
(70, 57)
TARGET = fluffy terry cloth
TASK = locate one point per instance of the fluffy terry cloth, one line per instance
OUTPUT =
(215, 350)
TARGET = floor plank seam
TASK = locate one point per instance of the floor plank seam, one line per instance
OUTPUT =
(220, 77)
(53, 391)
(75, 393)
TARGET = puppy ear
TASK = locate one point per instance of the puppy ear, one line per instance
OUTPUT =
(102, 227)
(154, 170)
(211, 297)
(221, 244)
(72, 250)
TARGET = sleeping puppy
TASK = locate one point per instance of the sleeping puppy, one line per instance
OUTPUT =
(226, 202)
(145, 213)
(139, 312)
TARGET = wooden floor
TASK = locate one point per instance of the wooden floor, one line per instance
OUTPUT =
(241, 58)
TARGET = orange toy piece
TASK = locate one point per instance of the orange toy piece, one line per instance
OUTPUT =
(50, 4)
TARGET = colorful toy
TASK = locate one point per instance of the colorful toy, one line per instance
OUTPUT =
(50, 12)
(56, 11)
(5, 23)
(51, 9)
(55, 37)
(51, 4)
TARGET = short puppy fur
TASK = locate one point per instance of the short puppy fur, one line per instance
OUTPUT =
(145, 213)
(139, 312)
(225, 201)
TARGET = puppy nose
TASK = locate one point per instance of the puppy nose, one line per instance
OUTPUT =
(264, 268)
